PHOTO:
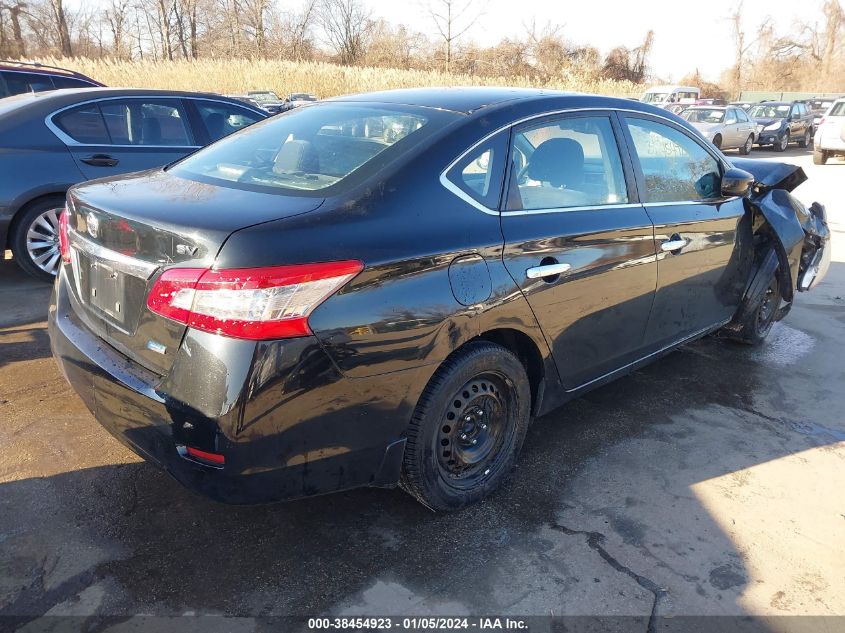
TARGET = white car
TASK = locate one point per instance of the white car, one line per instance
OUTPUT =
(830, 135)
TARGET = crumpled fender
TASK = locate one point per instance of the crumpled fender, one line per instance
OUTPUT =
(779, 209)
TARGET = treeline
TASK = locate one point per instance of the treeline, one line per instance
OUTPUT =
(344, 32)
(807, 56)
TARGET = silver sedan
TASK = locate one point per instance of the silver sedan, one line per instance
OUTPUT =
(727, 127)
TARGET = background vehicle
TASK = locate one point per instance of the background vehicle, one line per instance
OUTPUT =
(818, 107)
(745, 105)
(830, 135)
(299, 98)
(781, 123)
(267, 100)
(662, 96)
(22, 77)
(50, 141)
(727, 127)
(409, 276)
(710, 101)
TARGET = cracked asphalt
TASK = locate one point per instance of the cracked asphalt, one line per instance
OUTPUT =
(709, 483)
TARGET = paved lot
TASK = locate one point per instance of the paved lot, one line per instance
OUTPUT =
(708, 483)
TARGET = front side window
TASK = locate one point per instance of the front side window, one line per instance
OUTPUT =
(313, 148)
(142, 122)
(675, 167)
(221, 119)
(83, 124)
(740, 115)
(569, 162)
(730, 118)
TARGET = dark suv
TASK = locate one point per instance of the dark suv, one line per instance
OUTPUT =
(780, 123)
(20, 77)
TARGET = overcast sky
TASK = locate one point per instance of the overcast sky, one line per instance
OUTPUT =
(689, 34)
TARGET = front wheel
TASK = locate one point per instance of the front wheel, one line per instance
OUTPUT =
(806, 139)
(468, 427)
(745, 150)
(717, 141)
(782, 143)
(757, 322)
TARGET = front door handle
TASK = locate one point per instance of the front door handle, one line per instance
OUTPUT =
(547, 270)
(675, 244)
(100, 160)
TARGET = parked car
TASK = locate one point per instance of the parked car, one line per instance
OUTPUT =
(394, 309)
(745, 105)
(710, 101)
(662, 96)
(818, 107)
(727, 127)
(267, 100)
(22, 77)
(780, 123)
(50, 141)
(296, 99)
(830, 135)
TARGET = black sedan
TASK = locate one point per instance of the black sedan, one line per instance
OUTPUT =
(384, 289)
(50, 141)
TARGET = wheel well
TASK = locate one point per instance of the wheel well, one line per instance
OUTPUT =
(521, 345)
(13, 225)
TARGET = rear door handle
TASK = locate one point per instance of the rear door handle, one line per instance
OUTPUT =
(100, 160)
(547, 270)
(675, 244)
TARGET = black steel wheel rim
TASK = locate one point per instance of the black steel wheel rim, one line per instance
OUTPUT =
(766, 313)
(474, 429)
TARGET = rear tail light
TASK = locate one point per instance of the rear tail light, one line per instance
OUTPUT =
(64, 244)
(250, 303)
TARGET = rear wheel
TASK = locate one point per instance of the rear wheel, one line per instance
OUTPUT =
(749, 143)
(35, 238)
(717, 141)
(806, 139)
(782, 143)
(819, 156)
(468, 427)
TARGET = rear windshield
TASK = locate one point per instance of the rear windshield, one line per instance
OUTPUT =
(704, 116)
(313, 148)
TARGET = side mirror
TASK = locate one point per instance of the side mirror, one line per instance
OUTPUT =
(736, 182)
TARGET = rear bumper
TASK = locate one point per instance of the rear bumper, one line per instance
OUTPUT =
(295, 427)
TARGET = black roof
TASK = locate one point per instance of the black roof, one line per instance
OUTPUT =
(463, 100)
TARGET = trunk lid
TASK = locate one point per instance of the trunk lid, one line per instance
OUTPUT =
(124, 231)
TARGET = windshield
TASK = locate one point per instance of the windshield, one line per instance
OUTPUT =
(769, 111)
(312, 148)
(655, 97)
(262, 97)
(704, 115)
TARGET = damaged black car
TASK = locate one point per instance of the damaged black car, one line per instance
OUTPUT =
(384, 289)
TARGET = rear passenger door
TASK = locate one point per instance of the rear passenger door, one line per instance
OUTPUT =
(578, 243)
(115, 136)
(701, 272)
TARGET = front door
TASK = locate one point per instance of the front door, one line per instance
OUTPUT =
(701, 274)
(578, 244)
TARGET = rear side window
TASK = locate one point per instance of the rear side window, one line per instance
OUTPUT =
(19, 83)
(83, 124)
(221, 119)
(675, 167)
(568, 162)
(142, 122)
(480, 173)
(69, 82)
(838, 109)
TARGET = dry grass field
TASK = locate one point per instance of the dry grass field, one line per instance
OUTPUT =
(234, 76)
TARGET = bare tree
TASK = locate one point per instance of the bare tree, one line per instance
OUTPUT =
(255, 12)
(624, 64)
(116, 17)
(60, 23)
(297, 29)
(346, 25)
(17, 47)
(453, 18)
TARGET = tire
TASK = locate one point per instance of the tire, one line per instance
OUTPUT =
(717, 141)
(484, 388)
(782, 144)
(757, 324)
(35, 238)
(819, 156)
(745, 150)
(806, 139)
